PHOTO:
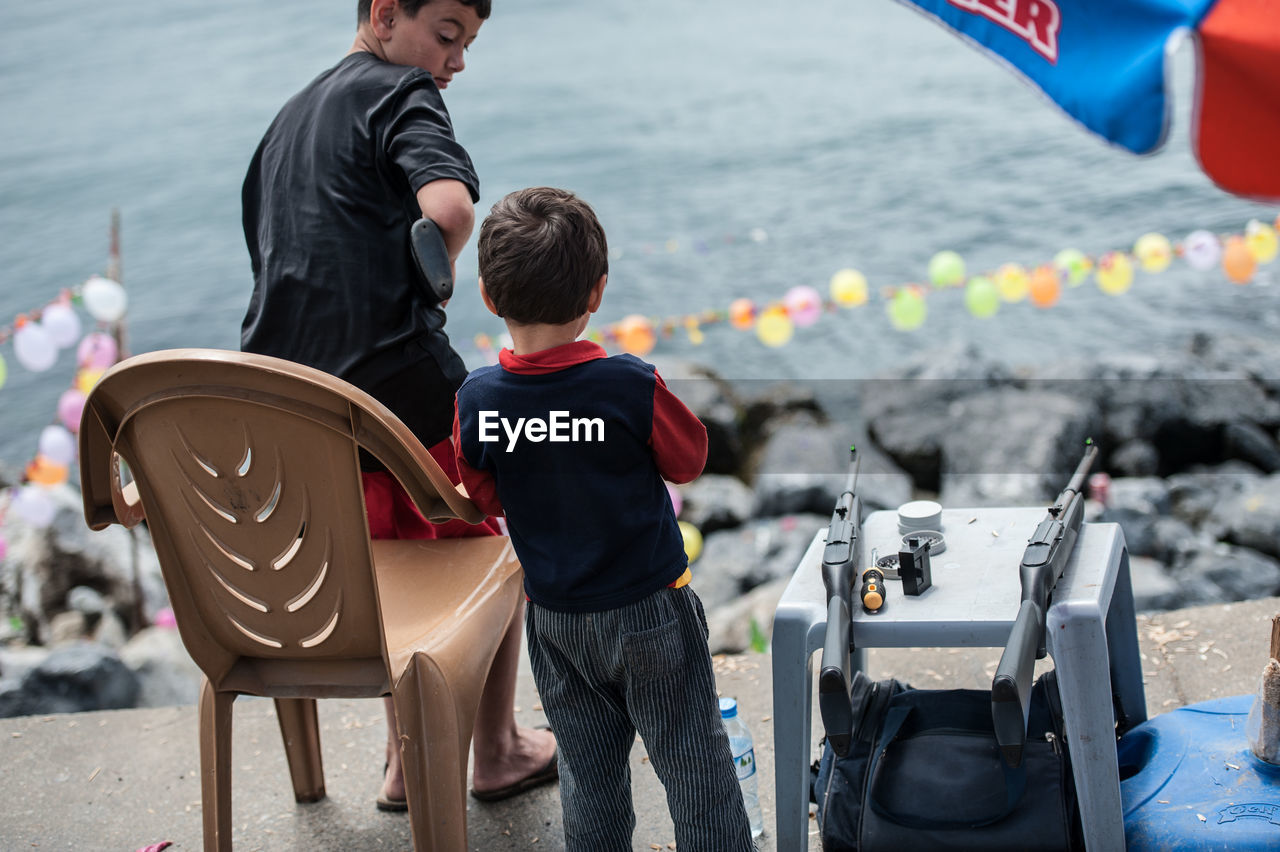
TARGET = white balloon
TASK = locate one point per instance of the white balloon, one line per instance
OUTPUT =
(104, 299)
(34, 348)
(1201, 250)
(57, 445)
(34, 505)
(62, 323)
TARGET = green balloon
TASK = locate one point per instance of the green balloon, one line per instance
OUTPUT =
(1073, 263)
(4, 371)
(946, 269)
(982, 297)
(907, 310)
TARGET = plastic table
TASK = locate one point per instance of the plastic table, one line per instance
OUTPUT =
(973, 602)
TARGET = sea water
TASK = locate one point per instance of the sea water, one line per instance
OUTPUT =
(731, 149)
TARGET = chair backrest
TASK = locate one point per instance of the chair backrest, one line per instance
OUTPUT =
(247, 470)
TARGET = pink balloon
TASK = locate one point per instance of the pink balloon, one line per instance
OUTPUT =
(803, 304)
(70, 408)
(97, 350)
(4, 548)
(677, 502)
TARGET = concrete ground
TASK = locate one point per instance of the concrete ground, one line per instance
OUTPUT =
(125, 779)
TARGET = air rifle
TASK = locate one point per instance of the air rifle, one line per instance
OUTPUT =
(840, 560)
(1046, 555)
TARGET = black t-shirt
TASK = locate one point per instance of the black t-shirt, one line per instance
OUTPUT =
(327, 203)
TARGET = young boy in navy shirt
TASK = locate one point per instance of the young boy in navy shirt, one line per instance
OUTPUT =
(573, 447)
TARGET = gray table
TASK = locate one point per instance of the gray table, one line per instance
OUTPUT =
(973, 602)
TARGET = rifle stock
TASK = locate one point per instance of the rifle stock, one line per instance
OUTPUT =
(1043, 561)
(1011, 687)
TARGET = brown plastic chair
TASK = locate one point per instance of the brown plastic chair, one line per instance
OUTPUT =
(246, 471)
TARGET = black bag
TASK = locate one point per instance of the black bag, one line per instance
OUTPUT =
(924, 772)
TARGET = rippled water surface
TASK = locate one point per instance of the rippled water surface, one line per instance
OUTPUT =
(847, 134)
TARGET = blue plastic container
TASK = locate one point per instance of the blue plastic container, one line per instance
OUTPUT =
(1189, 781)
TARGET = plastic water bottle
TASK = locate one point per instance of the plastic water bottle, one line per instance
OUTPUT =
(744, 761)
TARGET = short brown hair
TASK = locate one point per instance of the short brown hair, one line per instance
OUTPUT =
(411, 7)
(541, 251)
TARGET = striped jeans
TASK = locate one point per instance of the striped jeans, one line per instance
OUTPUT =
(643, 667)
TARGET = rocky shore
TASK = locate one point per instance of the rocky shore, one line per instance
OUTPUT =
(1188, 438)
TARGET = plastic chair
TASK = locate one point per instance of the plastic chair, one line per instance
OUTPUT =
(246, 470)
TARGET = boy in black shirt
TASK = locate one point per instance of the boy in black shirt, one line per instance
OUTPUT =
(345, 169)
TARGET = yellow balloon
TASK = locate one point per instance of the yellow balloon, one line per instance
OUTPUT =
(635, 335)
(1114, 273)
(1262, 241)
(692, 540)
(1153, 251)
(775, 328)
(87, 378)
(1237, 260)
(1013, 282)
(849, 288)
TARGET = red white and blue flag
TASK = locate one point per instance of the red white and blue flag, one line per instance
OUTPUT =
(1104, 63)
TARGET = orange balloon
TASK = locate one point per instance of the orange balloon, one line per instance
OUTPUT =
(44, 472)
(742, 314)
(1046, 287)
(1237, 260)
(635, 335)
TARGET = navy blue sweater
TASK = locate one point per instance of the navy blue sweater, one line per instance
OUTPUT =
(573, 446)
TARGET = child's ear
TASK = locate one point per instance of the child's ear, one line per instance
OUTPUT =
(488, 303)
(597, 294)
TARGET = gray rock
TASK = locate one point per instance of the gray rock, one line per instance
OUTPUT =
(1250, 443)
(1135, 503)
(85, 676)
(110, 631)
(166, 673)
(730, 626)
(1138, 526)
(86, 600)
(13, 700)
(737, 560)
(1196, 495)
(995, 446)
(1135, 458)
(1252, 516)
(67, 628)
(1224, 573)
(1174, 541)
(802, 442)
(1153, 586)
(17, 660)
(803, 466)
(1142, 493)
(715, 403)
(714, 502)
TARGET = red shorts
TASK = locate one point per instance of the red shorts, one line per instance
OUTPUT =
(392, 514)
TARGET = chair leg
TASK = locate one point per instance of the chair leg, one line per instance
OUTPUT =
(435, 717)
(300, 729)
(215, 766)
